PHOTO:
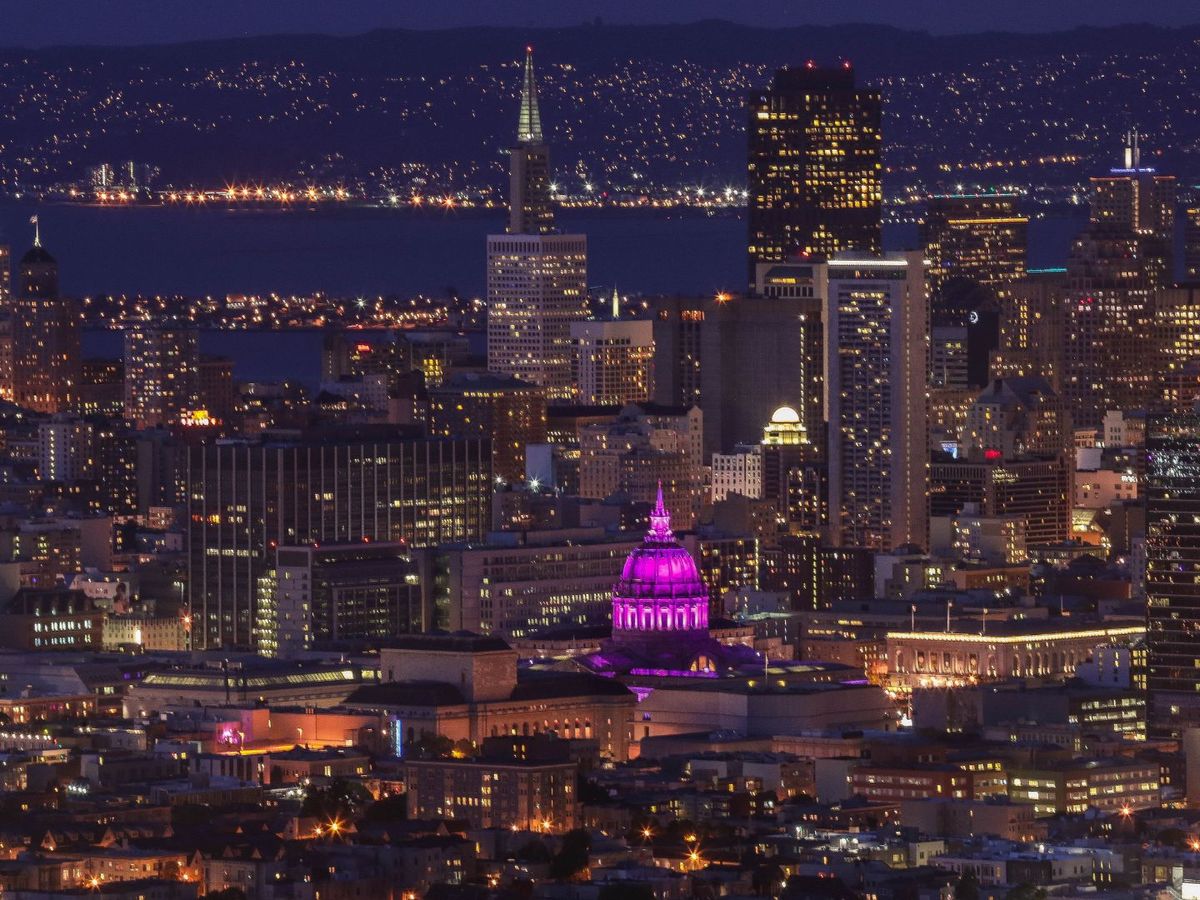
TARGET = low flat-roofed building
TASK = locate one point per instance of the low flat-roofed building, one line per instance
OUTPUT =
(247, 680)
(468, 687)
(1016, 649)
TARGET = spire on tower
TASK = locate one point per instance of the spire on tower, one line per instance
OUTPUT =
(529, 122)
(1133, 153)
(660, 521)
(37, 231)
(616, 311)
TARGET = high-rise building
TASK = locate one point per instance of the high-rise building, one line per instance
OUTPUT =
(347, 592)
(509, 412)
(246, 498)
(1032, 325)
(536, 278)
(46, 353)
(102, 387)
(814, 166)
(980, 237)
(5, 279)
(355, 354)
(645, 447)
(678, 348)
(1038, 488)
(530, 210)
(1191, 244)
(1110, 359)
(160, 374)
(1015, 460)
(876, 327)
(613, 361)
(1136, 199)
(793, 472)
(215, 394)
(743, 357)
(1173, 570)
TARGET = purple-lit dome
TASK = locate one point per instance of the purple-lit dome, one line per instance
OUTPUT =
(660, 588)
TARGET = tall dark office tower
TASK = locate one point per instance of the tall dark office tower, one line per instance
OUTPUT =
(45, 337)
(814, 170)
(530, 210)
(160, 374)
(1173, 570)
(743, 357)
(248, 498)
(1109, 352)
(980, 237)
(1191, 244)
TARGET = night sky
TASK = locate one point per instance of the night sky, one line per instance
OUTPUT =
(46, 22)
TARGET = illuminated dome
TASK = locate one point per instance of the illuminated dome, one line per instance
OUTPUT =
(785, 415)
(660, 588)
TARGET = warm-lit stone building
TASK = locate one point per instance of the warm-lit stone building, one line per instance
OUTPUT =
(522, 783)
(511, 412)
(1014, 649)
(467, 687)
(814, 166)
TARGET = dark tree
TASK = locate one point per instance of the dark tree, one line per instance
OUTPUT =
(626, 891)
(967, 886)
(572, 856)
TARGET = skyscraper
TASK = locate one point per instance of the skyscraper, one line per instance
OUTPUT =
(509, 412)
(1173, 570)
(876, 352)
(814, 166)
(247, 498)
(981, 237)
(530, 210)
(160, 374)
(5, 278)
(46, 353)
(1191, 244)
(1137, 200)
(613, 361)
(536, 278)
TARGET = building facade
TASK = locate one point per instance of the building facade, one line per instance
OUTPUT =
(876, 328)
(814, 168)
(247, 498)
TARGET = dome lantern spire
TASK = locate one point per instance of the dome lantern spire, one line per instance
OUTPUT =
(660, 521)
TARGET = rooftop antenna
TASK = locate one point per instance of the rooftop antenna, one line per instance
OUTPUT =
(37, 231)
